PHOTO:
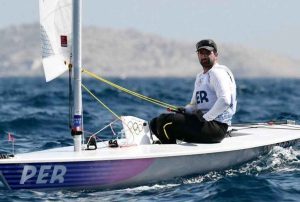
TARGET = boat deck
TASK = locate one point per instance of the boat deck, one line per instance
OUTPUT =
(241, 137)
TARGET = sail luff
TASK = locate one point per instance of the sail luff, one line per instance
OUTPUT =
(55, 25)
(77, 119)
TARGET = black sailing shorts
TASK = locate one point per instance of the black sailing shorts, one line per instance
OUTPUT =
(187, 127)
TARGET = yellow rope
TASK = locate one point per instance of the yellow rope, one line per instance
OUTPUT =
(104, 105)
(154, 101)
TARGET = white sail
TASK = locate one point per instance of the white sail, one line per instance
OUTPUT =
(56, 30)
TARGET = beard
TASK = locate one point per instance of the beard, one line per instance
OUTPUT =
(207, 63)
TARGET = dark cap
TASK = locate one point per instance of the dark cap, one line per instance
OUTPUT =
(207, 44)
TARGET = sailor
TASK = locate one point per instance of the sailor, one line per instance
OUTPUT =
(207, 117)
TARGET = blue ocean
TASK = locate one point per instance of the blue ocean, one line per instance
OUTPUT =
(37, 114)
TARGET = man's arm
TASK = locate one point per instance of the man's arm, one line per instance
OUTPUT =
(220, 82)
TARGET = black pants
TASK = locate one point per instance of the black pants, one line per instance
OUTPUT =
(187, 127)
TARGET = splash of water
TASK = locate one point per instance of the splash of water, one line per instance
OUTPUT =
(277, 160)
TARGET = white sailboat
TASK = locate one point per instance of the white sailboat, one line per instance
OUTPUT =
(136, 160)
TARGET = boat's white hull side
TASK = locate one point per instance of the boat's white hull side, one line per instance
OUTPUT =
(133, 165)
(170, 167)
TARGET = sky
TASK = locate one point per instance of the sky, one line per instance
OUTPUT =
(270, 25)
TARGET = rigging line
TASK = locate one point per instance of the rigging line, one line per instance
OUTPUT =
(262, 126)
(290, 126)
(104, 105)
(70, 96)
(157, 102)
(108, 125)
(265, 123)
(112, 130)
(154, 101)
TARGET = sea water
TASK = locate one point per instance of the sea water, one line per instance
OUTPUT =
(37, 114)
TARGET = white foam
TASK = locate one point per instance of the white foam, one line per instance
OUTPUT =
(277, 160)
(151, 187)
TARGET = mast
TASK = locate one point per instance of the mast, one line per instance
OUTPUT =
(77, 118)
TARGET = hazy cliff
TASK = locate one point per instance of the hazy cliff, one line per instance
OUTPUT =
(130, 53)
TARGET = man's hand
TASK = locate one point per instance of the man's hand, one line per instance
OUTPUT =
(181, 110)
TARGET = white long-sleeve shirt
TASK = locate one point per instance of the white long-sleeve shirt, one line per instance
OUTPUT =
(215, 94)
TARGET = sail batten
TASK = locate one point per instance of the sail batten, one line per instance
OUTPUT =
(56, 36)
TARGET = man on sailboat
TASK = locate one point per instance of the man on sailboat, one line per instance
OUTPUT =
(207, 117)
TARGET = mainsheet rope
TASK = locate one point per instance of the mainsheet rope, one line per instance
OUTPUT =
(143, 97)
(102, 103)
(110, 110)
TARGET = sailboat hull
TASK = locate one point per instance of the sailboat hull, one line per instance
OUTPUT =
(135, 165)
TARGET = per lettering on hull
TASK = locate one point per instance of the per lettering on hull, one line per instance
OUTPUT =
(44, 174)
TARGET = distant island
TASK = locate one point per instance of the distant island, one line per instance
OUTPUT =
(129, 53)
